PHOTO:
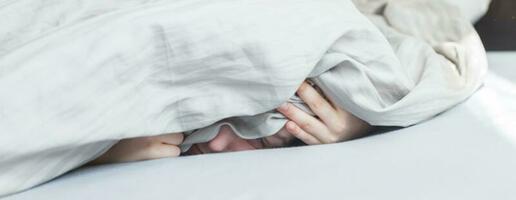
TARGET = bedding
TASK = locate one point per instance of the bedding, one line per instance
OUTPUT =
(78, 76)
(465, 153)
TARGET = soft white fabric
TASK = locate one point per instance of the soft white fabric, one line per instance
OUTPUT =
(76, 76)
(437, 51)
(471, 9)
(466, 153)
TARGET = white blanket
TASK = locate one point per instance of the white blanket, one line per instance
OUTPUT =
(76, 76)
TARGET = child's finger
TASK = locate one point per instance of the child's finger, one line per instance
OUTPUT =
(308, 123)
(299, 133)
(161, 151)
(318, 104)
(305, 121)
(171, 138)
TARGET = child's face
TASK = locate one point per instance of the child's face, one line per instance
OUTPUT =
(228, 141)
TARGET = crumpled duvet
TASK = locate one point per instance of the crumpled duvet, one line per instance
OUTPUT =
(76, 76)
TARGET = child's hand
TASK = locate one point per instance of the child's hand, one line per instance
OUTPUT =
(330, 125)
(143, 148)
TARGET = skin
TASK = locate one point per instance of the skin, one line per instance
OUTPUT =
(142, 148)
(228, 141)
(330, 125)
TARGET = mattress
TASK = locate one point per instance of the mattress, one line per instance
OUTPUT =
(468, 152)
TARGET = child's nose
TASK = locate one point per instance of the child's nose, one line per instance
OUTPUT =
(226, 140)
(221, 141)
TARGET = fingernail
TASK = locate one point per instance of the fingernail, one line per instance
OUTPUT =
(283, 106)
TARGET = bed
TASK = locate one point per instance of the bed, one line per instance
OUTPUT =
(468, 152)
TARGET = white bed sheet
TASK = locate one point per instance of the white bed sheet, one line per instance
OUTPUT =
(466, 153)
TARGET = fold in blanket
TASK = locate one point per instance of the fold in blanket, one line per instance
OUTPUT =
(77, 76)
(438, 61)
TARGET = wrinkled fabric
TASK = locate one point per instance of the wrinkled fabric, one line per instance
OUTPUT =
(439, 60)
(77, 76)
